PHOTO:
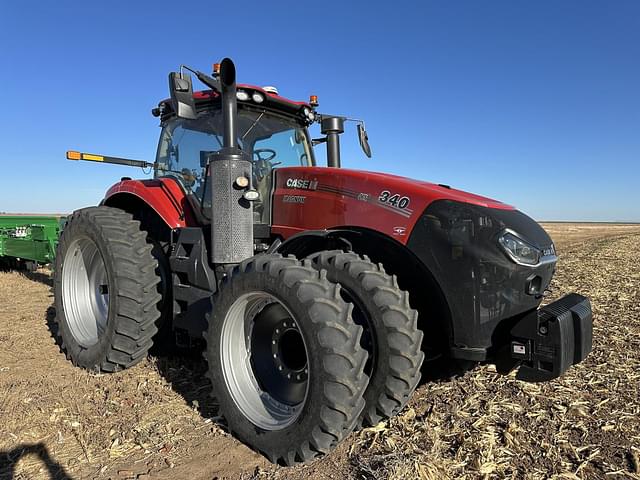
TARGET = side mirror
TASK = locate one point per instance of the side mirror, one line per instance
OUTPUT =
(364, 140)
(181, 89)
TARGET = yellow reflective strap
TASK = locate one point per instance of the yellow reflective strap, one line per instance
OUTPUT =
(95, 158)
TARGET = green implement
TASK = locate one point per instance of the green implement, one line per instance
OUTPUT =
(29, 239)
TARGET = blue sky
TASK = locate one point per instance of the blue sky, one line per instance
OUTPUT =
(533, 103)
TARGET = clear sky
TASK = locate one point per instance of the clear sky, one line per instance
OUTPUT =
(534, 103)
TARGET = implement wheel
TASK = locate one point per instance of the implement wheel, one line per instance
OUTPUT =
(391, 335)
(105, 290)
(285, 359)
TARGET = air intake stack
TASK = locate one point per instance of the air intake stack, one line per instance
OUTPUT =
(231, 214)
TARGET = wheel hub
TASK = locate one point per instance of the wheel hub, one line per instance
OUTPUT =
(289, 358)
(85, 291)
(264, 360)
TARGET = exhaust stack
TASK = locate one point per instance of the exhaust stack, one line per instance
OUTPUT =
(332, 127)
(231, 214)
(229, 104)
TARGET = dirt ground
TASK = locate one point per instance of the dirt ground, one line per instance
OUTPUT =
(155, 420)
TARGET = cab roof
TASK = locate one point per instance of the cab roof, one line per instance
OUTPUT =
(271, 101)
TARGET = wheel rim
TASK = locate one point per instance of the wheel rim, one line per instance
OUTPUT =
(264, 361)
(85, 291)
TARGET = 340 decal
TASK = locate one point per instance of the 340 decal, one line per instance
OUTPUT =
(394, 199)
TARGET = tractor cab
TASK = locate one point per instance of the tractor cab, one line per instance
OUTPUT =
(270, 138)
(270, 131)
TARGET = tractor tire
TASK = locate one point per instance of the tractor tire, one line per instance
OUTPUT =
(285, 359)
(164, 341)
(391, 334)
(105, 290)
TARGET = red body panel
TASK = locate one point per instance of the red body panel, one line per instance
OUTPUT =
(164, 195)
(316, 198)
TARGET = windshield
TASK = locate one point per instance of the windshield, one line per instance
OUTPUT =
(271, 140)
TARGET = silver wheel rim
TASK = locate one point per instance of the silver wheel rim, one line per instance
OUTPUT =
(85, 291)
(243, 367)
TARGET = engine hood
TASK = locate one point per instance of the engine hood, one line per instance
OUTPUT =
(319, 198)
(433, 191)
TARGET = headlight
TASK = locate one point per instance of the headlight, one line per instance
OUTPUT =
(310, 114)
(257, 97)
(251, 195)
(242, 95)
(518, 250)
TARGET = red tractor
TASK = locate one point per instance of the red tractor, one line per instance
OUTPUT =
(309, 287)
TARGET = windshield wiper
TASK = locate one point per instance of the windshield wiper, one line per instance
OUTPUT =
(252, 125)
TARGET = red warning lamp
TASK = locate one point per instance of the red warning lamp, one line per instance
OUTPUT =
(313, 100)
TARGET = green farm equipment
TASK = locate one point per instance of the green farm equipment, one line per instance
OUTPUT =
(29, 241)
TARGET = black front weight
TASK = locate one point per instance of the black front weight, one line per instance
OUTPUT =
(548, 341)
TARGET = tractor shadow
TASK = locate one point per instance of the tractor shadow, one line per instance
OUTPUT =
(185, 371)
(9, 460)
(444, 370)
(50, 317)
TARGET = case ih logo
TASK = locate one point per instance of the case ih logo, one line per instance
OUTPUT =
(302, 183)
(399, 230)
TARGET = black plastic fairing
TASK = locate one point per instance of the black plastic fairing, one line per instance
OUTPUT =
(458, 243)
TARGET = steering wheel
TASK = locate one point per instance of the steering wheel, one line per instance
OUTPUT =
(270, 154)
(263, 164)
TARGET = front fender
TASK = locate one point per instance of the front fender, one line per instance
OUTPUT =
(164, 196)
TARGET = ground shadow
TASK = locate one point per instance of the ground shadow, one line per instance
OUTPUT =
(50, 317)
(185, 372)
(9, 460)
(183, 369)
(444, 369)
(36, 276)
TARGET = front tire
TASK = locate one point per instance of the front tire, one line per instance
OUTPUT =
(284, 359)
(105, 290)
(391, 334)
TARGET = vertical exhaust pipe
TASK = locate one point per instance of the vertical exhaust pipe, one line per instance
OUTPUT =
(332, 127)
(229, 104)
(231, 214)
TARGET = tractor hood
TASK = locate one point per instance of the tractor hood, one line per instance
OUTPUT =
(434, 191)
(319, 198)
